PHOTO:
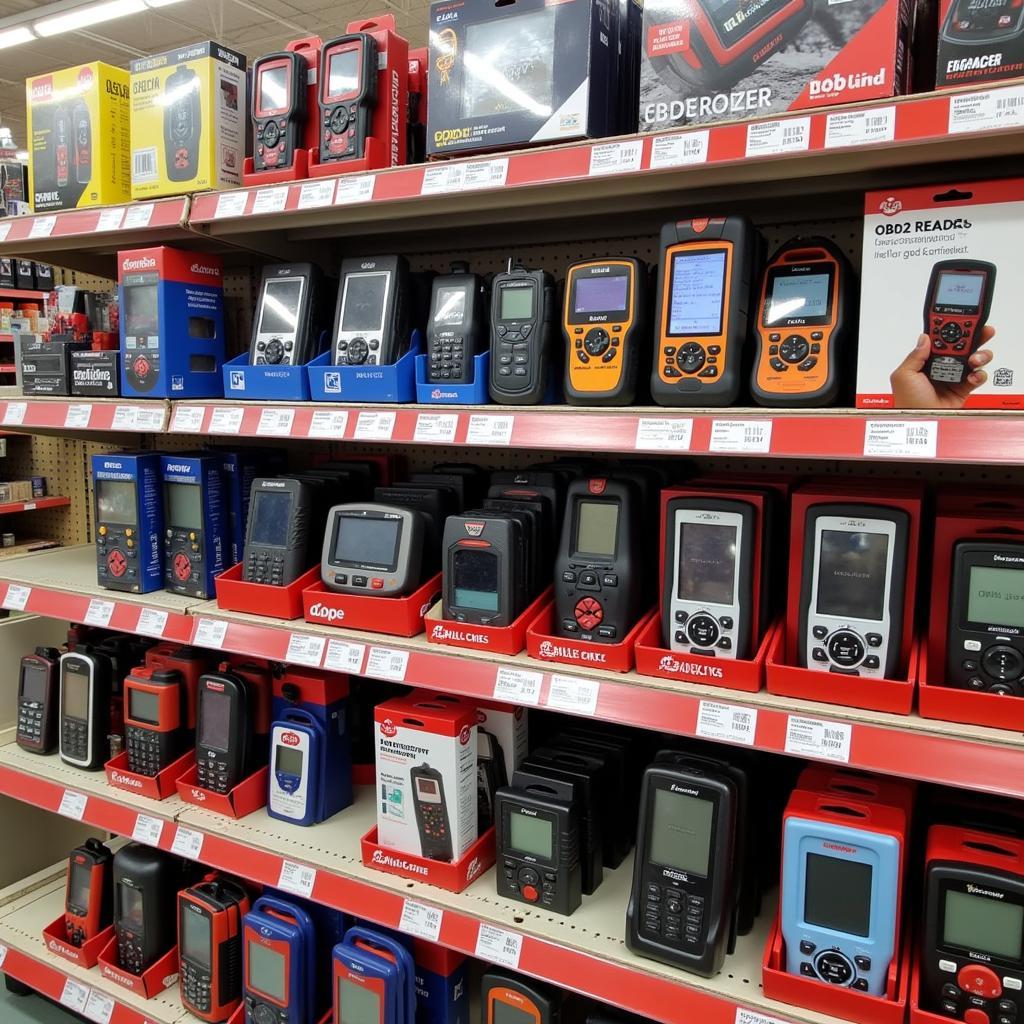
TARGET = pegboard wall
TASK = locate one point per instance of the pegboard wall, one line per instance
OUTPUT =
(56, 459)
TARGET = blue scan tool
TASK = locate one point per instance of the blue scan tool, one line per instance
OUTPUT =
(298, 755)
(391, 948)
(367, 987)
(279, 980)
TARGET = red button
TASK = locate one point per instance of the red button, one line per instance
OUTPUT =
(588, 612)
(142, 366)
(976, 1016)
(116, 563)
(376, 584)
(531, 894)
(182, 567)
(979, 981)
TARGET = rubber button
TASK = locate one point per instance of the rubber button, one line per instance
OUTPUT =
(979, 981)
(531, 894)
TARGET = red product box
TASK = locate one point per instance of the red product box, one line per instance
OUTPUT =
(542, 643)
(237, 595)
(86, 955)
(156, 787)
(158, 976)
(510, 639)
(848, 783)
(454, 876)
(191, 662)
(248, 796)
(397, 616)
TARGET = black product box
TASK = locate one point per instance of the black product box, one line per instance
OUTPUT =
(533, 71)
(46, 365)
(24, 275)
(979, 41)
(96, 374)
(43, 273)
(6, 272)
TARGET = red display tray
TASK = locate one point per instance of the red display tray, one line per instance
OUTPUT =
(248, 796)
(299, 170)
(85, 955)
(454, 877)
(510, 639)
(543, 644)
(399, 616)
(160, 975)
(156, 787)
(235, 595)
(730, 673)
(951, 704)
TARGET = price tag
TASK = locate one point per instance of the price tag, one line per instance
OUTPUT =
(110, 220)
(577, 696)
(74, 996)
(375, 426)
(42, 227)
(188, 419)
(297, 878)
(441, 178)
(810, 737)
(915, 439)
(344, 657)
(148, 830)
(517, 686)
(499, 946)
(313, 194)
(187, 843)
(486, 173)
(149, 417)
(987, 110)
(355, 188)
(152, 622)
(304, 649)
(384, 663)
(138, 216)
(436, 426)
(718, 721)
(226, 419)
(28, 506)
(616, 157)
(78, 416)
(679, 150)
(860, 127)
(14, 414)
(98, 613)
(17, 597)
(231, 204)
(661, 434)
(271, 200)
(275, 422)
(750, 1017)
(770, 138)
(5, 230)
(490, 430)
(72, 804)
(3, 954)
(100, 1007)
(210, 633)
(741, 436)
(126, 417)
(329, 423)
(420, 920)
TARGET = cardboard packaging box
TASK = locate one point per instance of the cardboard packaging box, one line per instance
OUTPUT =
(978, 42)
(78, 139)
(188, 117)
(704, 61)
(16, 490)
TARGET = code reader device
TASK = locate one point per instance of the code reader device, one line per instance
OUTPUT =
(392, 951)
(89, 900)
(367, 987)
(284, 329)
(38, 692)
(224, 731)
(981, 22)
(705, 280)
(146, 884)
(597, 570)
(298, 768)
(482, 575)
(852, 589)
(372, 549)
(371, 321)
(280, 963)
(278, 109)
(707, 595)
(603, 320)
(277, 531)
(82, 127)
(431, 812)
(348, 95)
(511, 999)
(154, 703)
(85, 689)
(183, 120)
(458, 326)
(956, 310)
(803, 325)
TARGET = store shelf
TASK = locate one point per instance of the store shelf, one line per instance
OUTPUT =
(84, 414)
(27, 547)
(10, 507)
(28, 294)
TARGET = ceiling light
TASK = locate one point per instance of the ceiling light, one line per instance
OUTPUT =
(88, 16)
(161, 3)
(15, 36)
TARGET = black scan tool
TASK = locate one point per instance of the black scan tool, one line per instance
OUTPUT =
(371, 322)
(284, 327)
(38, 692)
(277, 531)
(348, 95)
(278, 109)
(372, 549)
(224, 731)
(457, 328)
(183, 123)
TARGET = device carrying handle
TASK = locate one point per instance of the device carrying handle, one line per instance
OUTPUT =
(305, 44)
(1008, 847)
(283, 909)
(383, 22)
(300, 716)
(838, 810)
(377, 943)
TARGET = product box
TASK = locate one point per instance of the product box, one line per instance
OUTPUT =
(45, 365)
(703, 61)
(16, 490)
(24, 274)
(96, 374)
(940, 276)
(559, 59)
(188, 118)
(172, 323)
(978, 42)
(442, 993)
(77, 134)
(426, 777)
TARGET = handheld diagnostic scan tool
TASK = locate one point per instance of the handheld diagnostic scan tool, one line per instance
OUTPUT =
(224, 731)
(195, 523)
(372, 549)
(277, 531)
(280, 963)
(284, 328)
(458, 325)
(141, 334)
(183, 121)
(89, 899)
(297, 768)
(431, 809)
(956, 310)
(85, 688)
(38, 691)
(278, 109)
(154, 703)
(482, 575)
(146, 884)
(511, 999)
(348, 95)
(371, 321)
(366, 988)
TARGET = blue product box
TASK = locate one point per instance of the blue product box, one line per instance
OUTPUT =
(172, 323)
(442, 994)
(474, 393)
(240, 469)
(393, 382)
(129, 516)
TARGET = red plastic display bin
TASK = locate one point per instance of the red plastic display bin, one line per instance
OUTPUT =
(454, 877)
(158, 976)
(541, 643)
(85, 955)
(248, 796)
(510, 639)
(397, 616)
(236, 595)
(156, 787)
(951, 704)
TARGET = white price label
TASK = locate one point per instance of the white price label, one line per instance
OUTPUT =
(98, 613)
(384, 663)
(915, 439)
(42, 227)
(420, 920)
(3, 954)
(148, 830)
(271, 200)
(275, 422)
(679, 150)
(314, 194)
(78, 416)
(860, 127)
(355, 188)
(210, 633)
(616, 157)
(518, 686)
(661, 434)
(149, 417)
(490, 430)
(343, 656)
(986, 110)
(188, 419)
(499, 946)
(74, 996)
(441, 178)
(226, 419)
(304, 649)
(187, 843)
(577, 696)
(750, 1017)
(14, 414)
(718, 721)
(231, 204)
(375, 426)
(138, 216)
(330, 423)
(741, 436)
(811, 737)
(72, 804)
(126, 417)
(152, 622)
(110, 220)
(17, 597)
(436, 426)
(297, 878)
(100, 1007)
(486, 173)
(28, 506)
(770, 138)
(5, 230)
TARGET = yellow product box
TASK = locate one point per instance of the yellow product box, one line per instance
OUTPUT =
(189, 115)
(78, 137)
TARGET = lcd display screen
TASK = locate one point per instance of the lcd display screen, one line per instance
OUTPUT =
(270, 513)
(75, 691)
(115, 502)
(195, 938)
(143, 706)
(288, 760)
(182, 505)
(596, 523)
(957, 289)
(214, 719)
(363, 304)
(129, 901)
(475, 580)
(343, 73)
(140, 310)
(516, 303)
(357, 1003)
(604, 294)
(80, 876)
(33, 682)
(995, 596)
(266, 971)
(851, 574)
(274, 89)
(698, 291)
(281, 300)
(532, 835)
(837, 894)
(707, 563)
(806, 296)
(360, 540)
(680, 831)
(504, 1013)
(450, 306)
(428, 790)
(983, 925)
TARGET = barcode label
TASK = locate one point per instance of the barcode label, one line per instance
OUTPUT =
(485, 430)
(915, 439)
(860, 127)
(616, 157)
(718, 721)
(741, 436)
(17, 597)
(679, 150)
(110, 220)
(138, 216)
(144, 165)
(385, 663)
(271, 200)
(770, 138)
(304, 649)
(316, 193)
(982, 111)
(659, 434)
(813, 738)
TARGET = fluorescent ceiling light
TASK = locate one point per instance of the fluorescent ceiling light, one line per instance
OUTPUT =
(161, 3)
(15, 36)
(88, 16)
